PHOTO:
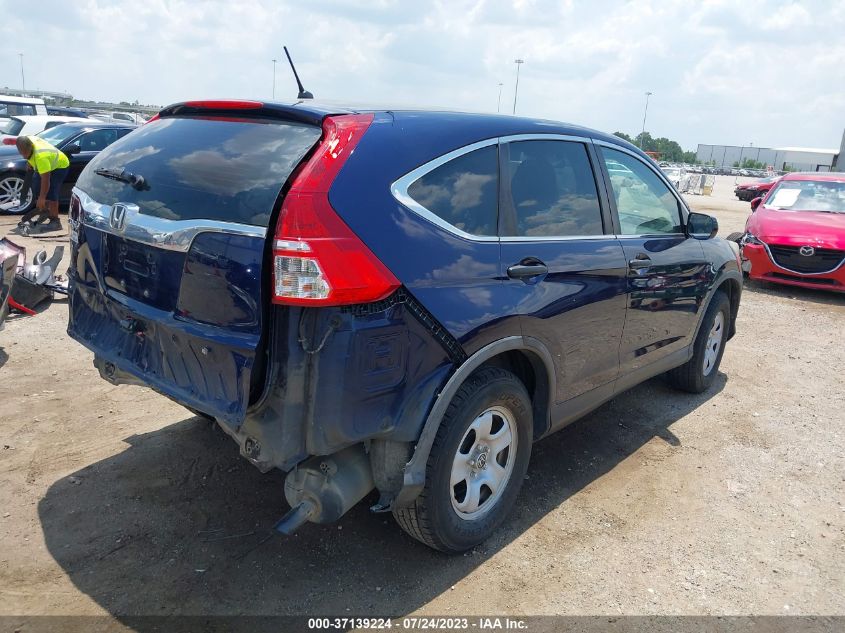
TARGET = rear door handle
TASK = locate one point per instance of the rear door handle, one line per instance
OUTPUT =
(520, 271)
(640, 261)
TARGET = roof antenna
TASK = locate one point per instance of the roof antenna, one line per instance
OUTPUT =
(303, 93)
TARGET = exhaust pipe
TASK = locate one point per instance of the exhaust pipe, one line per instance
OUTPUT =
(323, 489)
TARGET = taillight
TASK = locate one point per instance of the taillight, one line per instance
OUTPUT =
(317, 259)
(74, 216)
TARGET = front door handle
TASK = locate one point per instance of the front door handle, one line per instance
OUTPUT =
(520, 271)
(640, 261)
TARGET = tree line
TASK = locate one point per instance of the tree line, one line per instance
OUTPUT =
(669, 151)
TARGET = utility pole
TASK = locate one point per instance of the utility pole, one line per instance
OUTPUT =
(518, 63)
(23, 81)
(645, 114)
(499, 105)
(274, 79)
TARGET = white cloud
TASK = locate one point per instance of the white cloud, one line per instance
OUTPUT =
(721, 71)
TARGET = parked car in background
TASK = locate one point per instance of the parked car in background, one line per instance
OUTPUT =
(66, 111)
(678, 177)
(80, 141)
(30, 125)
(796, 234)
(750, 190)
(17, 106)
(389, 299)
(119, 117)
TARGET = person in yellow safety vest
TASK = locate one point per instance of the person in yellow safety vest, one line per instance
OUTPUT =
(50, 166)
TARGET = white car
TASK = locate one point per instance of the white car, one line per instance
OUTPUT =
(677, 177)
(20, 106)
(119, 117)
(29, 125)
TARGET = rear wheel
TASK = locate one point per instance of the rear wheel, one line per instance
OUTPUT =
(700, 371)
(476, 465)
(11, 187)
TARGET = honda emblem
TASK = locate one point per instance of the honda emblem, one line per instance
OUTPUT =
(117, 218)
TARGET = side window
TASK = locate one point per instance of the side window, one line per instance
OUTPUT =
(645, 204)
(463, 192)
(121, 132)
(552, 189)
(17, 109)
(97, 140)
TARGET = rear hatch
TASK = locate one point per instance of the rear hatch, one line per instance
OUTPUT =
(169, 271)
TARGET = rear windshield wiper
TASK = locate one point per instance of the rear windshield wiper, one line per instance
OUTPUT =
(136, 180)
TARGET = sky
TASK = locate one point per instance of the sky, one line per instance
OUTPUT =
(762, 72)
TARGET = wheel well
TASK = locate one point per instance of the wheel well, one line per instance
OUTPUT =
(531, 370)
(731, 288)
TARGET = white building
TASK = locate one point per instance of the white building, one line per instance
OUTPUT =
(781, 158)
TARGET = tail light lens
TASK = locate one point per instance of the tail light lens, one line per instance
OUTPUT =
(317, 259)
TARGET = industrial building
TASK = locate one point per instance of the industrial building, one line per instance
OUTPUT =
(780, 158)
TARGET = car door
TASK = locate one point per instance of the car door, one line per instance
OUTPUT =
(667, 274)
(563, 266)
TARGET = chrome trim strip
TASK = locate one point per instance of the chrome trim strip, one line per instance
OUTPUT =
(795, 272)
(554, 238)
(400, 187)
(173, 235)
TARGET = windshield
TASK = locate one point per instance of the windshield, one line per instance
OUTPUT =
(808, 195)
(12, 127)
(59, 134)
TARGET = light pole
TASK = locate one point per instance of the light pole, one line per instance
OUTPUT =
(645, 114)
(499, 105)
(23, 82)
(518, 63)
(274, 79)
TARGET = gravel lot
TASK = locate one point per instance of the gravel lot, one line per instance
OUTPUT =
(113, 500)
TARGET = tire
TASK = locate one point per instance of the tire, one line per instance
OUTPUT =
(698, 374)
(452, 515)
(10, 183)
(735, 237)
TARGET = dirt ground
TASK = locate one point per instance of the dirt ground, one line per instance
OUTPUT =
(114, 500)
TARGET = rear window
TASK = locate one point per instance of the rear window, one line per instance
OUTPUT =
(202, 168)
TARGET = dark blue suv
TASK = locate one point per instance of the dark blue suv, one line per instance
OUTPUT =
(392, 299)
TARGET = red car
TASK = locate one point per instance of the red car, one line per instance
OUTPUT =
(796, 234)
(756, 189)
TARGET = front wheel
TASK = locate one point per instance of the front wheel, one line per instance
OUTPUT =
(476, 465)
(11, 190)
(697, 374)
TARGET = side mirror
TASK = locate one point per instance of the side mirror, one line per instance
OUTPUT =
(702, 226)
(756, 203)
(72, 149)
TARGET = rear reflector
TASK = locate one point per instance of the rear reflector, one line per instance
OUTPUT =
(317, 259)
(10, 140)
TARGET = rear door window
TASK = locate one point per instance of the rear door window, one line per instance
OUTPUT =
(462, 192)
(229, 170)
(552, 190)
